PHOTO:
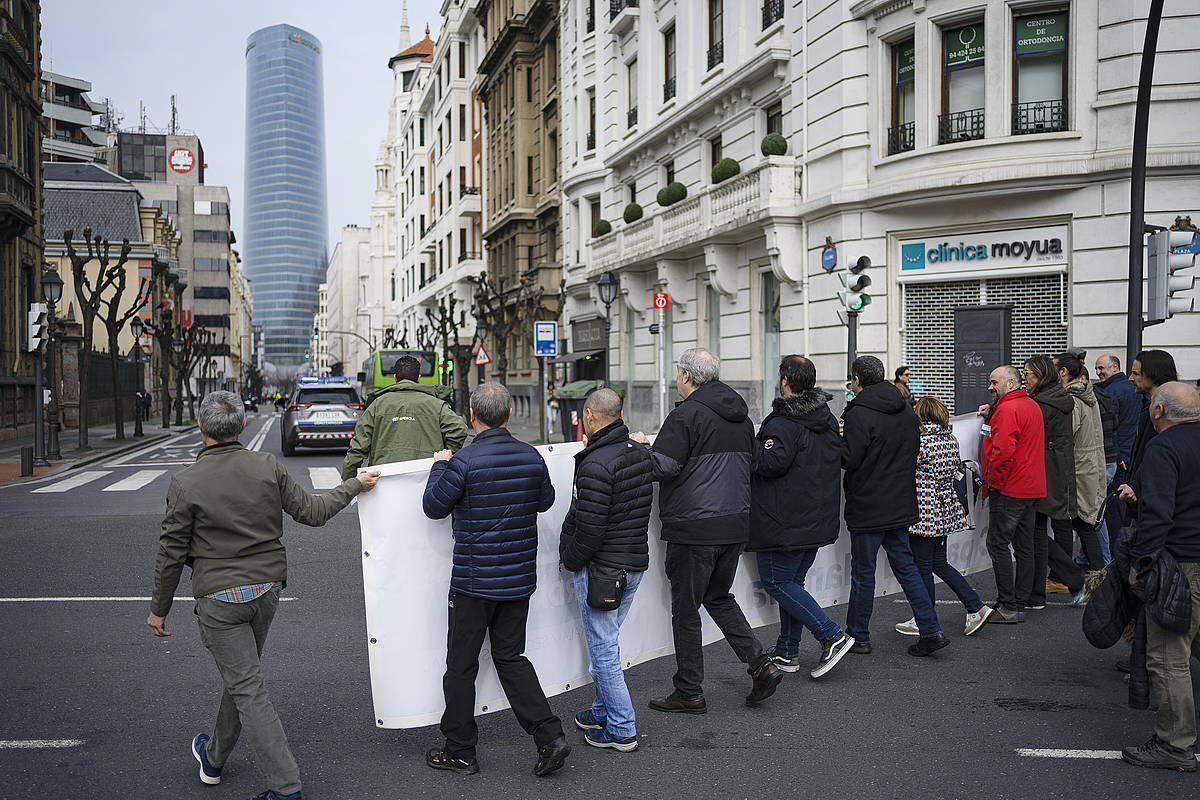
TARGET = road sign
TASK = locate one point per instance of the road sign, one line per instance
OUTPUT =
(662, 300)
(655, 329)
(545, 338)
(828, 257)
(482, 357)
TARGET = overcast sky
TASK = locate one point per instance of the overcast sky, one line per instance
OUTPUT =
(138, 51)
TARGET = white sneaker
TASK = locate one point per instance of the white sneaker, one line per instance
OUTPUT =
(908, 628)
(976, 621)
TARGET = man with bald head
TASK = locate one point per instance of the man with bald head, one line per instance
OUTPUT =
(603, 544)
(1013, 460)
(1169, 521)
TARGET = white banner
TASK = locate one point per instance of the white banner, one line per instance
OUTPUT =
(406, 577)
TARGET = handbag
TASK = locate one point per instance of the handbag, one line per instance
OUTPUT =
(606, 586)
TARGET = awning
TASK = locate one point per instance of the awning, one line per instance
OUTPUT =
(567, 358)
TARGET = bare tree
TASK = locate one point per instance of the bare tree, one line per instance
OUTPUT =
(446, 327)
(89, 294)
(115, 318)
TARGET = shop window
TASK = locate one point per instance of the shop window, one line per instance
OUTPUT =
(963, 84)
(902, 133)
(1040, 73)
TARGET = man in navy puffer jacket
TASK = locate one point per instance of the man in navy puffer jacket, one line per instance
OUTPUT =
(495, 487)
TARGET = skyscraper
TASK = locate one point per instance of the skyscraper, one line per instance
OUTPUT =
(285, 223)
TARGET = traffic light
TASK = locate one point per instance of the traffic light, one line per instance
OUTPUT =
(854, 280)
(316, 333)
(1167, 254)
(37, 327)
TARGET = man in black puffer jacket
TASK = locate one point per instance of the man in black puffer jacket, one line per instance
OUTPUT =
(702, 459)
(880, 444)
(494, 487)
(604, 539)
(794, 510)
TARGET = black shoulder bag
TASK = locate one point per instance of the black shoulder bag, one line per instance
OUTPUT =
(606, 586)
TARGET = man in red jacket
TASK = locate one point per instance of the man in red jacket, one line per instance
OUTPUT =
(1013, 460)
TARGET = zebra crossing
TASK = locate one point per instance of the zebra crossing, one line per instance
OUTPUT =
(320, 479)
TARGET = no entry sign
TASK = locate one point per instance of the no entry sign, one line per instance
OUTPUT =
(662, 300)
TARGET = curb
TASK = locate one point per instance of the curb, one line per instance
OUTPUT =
(104, 455)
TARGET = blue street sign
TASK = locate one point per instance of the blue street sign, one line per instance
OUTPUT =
(545, 338)
(828, 257)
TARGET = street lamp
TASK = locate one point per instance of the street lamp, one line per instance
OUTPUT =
(177, 347)
(608, 285)
(136, 326)
(52, 289)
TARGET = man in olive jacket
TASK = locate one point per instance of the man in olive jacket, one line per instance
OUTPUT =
(404, 421)
(225, 520)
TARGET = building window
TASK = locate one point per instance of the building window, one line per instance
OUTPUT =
(1040, 79)
(594, 205)
(670, 165)
(211, 293)
(529, 175)
(631, 73)
(668, 63)
(589, 23)
(716, 32)
(529, 85)
(392, 282)
(632, 188)
(772, 12)
(712, 319)
(462, 59)
(963, 84)
(420, 132)
(218, 237)
(591, 131)
(902, 133)
(462, 122)
(716, 150)
(421, 182)
(774, 115)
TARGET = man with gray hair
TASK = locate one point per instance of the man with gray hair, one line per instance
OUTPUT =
(1169, 523)
(702, 459)
(225, 520)
(494, 487)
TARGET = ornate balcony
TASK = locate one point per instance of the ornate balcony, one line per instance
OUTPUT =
(1043, 116)
(668, 89)
(902, 138)
(622, 14)
(716, 54)
(960, 126)
(772, 12)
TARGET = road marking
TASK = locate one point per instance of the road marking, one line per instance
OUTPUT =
(959, 603)
(38, 744)
(257, 442)
(324, 478)
(135, 481)
(178, 441)
(73, 482)
(1052, 753)
(100, 599)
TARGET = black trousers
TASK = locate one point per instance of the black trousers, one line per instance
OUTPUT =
(504, 622)
(703, 576)
(1051, 557)
(1010, 523)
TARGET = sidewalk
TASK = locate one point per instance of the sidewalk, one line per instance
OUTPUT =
(104, 444)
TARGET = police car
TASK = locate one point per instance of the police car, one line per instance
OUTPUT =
(322, 412)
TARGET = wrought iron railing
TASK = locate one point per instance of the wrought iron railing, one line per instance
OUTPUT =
(772, 12)
(615, 7)
(902, 138)
(716, 54)
(1043, 116)
(590, 15)
(668, 89)
(960, 126)
(631, 118)
(591, 140)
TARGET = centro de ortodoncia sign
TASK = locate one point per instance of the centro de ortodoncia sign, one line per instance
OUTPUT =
(991, 250)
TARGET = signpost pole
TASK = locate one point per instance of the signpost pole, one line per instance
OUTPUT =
(851, 344)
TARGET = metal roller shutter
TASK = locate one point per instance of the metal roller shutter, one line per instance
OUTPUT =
(1039, 323)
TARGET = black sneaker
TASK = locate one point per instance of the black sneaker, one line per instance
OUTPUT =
(440, 759)
(1003, 615)
(832, 653)
(1033, 605)
(784, 663)
(928, 645)
(1158, 754)
(861, 648)
(551, 757)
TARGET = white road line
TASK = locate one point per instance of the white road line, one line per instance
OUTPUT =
(324, 478)
(1052, 753)
(166, 443)
(257, 442)
(38, 744)
(73, 482)
(135, 481)
(100, 599)
(959, 603)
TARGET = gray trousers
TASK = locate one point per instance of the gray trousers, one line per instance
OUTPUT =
(1168, 658)
(235, 633)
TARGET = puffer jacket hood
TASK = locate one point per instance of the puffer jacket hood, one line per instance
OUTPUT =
(808, 408)
(882, 397)
(725, 402)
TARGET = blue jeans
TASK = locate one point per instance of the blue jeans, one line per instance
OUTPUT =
(783, 575)
(864, 548)
(1110, 470)
(930, 554)
(612, 705)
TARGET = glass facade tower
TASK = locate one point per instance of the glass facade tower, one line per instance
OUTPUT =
(285, 212)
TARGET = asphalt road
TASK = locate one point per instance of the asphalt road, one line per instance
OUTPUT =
(880, 726)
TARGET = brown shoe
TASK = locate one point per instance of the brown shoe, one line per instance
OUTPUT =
(766, 681)
(675, 703)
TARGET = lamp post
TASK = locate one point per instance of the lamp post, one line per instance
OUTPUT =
(177, 348)
(162, 332)
(52, 289)
(608, 285)
(136, 326)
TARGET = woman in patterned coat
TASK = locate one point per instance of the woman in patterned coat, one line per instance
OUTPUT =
(941, 513)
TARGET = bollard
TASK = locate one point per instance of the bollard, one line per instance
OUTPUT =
(26, 461)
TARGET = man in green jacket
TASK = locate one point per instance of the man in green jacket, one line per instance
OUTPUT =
(225, 520)
(404, 421)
